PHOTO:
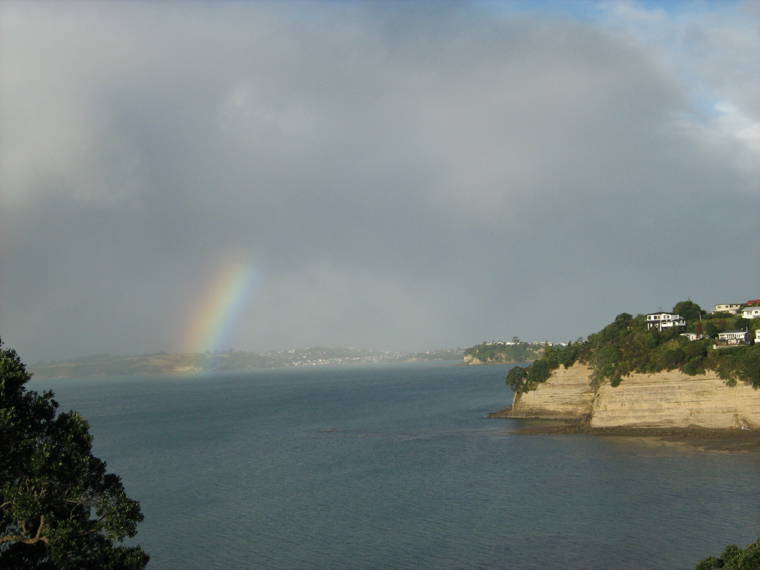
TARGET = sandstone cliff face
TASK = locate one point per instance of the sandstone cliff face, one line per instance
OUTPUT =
(567, 394)
(674, 399)
(666, 399)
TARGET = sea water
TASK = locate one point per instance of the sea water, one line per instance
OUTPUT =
(397, 467)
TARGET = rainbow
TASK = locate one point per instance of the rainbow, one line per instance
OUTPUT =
(214, 316)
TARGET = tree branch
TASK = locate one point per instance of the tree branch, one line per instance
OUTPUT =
(24, 539)
(38, 537)
(39, 528)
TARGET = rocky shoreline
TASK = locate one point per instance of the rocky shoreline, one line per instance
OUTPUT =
(698, 438)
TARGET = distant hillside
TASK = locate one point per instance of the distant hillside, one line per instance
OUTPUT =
(231, 361)
(110, 365)
(501, 352)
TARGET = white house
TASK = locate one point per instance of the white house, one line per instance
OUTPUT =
(661, 321)
(732, 338)
(732, 308)
(692, 336)
(751, 312)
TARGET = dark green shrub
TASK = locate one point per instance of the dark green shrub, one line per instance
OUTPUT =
(539, 371)
(693, 366)
(734, 558)
(516, 378)
(673, 358)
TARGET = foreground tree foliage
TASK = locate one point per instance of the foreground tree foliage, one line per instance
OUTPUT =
(59, 508)
(734, 558)
(626, 346)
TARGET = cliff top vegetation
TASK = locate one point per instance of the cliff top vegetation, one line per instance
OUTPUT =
(627, 345)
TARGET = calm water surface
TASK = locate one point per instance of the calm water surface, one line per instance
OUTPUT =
(396, 467)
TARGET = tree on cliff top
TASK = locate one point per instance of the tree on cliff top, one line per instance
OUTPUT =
(59, 508)
(689, 310)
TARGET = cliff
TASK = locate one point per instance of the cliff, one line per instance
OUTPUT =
(667, 399)
(567, 394)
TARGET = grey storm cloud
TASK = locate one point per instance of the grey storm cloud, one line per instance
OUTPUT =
(401, 177)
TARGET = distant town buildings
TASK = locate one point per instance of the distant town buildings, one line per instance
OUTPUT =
(516, 342)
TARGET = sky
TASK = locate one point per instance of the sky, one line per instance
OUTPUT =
(390, 175)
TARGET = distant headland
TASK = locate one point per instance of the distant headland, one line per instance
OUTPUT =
(504, 352)
(685, 369)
